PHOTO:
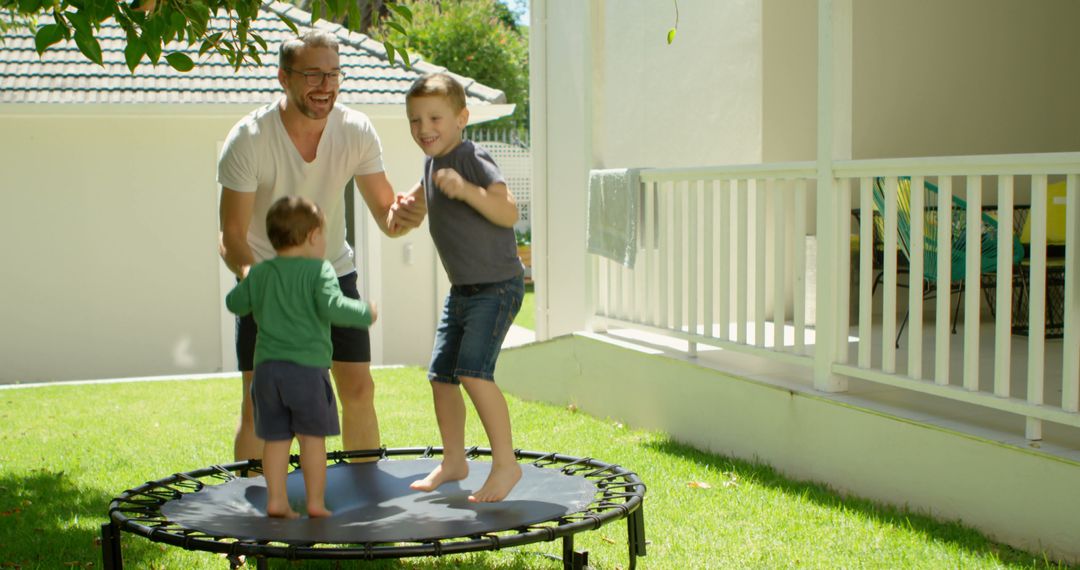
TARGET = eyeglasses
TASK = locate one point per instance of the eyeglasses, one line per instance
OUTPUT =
(316, 78)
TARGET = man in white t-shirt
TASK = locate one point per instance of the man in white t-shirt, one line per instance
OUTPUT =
(304, 144)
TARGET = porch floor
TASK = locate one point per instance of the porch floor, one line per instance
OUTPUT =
(1003, 427)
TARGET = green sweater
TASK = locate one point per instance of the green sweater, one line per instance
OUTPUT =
(295, 300)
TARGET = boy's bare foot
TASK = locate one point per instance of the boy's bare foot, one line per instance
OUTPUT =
(442, 474)
(498, 485)
(318, 512)
(280, 512)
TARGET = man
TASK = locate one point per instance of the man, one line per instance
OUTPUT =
(304, 144)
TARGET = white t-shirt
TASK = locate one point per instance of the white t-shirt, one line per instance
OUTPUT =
(259, 157)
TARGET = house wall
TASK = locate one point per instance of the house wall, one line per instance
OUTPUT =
(1014, 494)
(930, 78)
(739, 84)
(617, 96)
(109, 232)
(965, 77)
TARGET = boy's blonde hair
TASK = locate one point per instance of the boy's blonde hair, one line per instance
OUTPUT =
(291, 220)
(315, 38)
(438, 85)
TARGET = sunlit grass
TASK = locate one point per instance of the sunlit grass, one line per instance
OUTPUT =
(65, 451)
(526, 317)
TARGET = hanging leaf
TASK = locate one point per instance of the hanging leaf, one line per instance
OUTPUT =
(89, 46)
(180, 61)
(46, 36)
(390, 52)
(670, 36)
(402, 11)
(259, 40)
(288, 22)
(134, 52)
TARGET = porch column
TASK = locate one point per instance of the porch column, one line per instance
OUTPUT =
(833, 142)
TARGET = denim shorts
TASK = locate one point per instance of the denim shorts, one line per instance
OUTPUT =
(293, 399)
(350, 345)
(474, 323)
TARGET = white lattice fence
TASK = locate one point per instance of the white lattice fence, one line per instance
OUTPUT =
(515, 160)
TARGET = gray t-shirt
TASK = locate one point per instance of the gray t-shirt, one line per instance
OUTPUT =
(473, 250)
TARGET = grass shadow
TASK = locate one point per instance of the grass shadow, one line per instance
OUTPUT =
(45, 517)
(953, 532)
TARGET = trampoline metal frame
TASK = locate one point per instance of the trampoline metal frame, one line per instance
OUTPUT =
(620, 494)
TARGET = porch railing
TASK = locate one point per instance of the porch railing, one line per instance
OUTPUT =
(722, 261)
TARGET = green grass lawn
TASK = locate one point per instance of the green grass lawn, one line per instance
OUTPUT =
(65, 451)
(526, 317)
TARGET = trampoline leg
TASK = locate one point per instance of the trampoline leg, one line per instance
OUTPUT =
(572, 559)
(111, 558)
(635, 535)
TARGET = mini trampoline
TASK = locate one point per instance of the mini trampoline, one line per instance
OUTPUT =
(376, 515)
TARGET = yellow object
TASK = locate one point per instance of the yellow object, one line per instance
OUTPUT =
(1055, 216)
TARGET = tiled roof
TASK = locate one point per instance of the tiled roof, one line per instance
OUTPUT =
(63, 74)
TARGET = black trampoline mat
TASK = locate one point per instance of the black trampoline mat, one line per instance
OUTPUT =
(372, 502)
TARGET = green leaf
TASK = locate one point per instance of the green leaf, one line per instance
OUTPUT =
(209, 43)
(254, 54)
(389, 52)
(402, 11)
(134, 52)
(398, 27)
(405, 60)
(288, 22)
(670, 36)
(177, 21)
(153, 50)
(46, 36)
(28, 6)
(355, 18)
(90, 47)
(259, 39)
(180, 61)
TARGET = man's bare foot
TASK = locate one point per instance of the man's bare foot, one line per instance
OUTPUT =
(318, 512)
(442, 474)
(280, 512)
(499, 483)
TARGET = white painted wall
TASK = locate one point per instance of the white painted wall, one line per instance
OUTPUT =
(931, 78)
(965, 77)
(109, 234)
(696, 101)
(567, 163)
(739, 85)
(617, 95)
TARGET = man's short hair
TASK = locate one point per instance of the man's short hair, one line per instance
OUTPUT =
(438, 85)
(312, 39)
(290, 220)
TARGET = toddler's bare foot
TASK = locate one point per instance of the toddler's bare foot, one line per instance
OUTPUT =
(444, 473)
(281, 512)
(318, 512)
(499, 483)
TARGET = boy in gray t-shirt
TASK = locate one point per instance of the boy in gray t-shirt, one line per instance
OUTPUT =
(471, 216)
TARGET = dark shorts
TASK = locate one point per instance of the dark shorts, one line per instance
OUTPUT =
(474, 323)
(350, 345)
(293, 399)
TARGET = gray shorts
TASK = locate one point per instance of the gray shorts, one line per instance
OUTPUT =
(293, 399)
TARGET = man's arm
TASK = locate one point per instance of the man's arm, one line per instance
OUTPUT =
(235, 216)
(396, 215)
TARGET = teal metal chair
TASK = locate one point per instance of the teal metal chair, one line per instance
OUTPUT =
(930, 279)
